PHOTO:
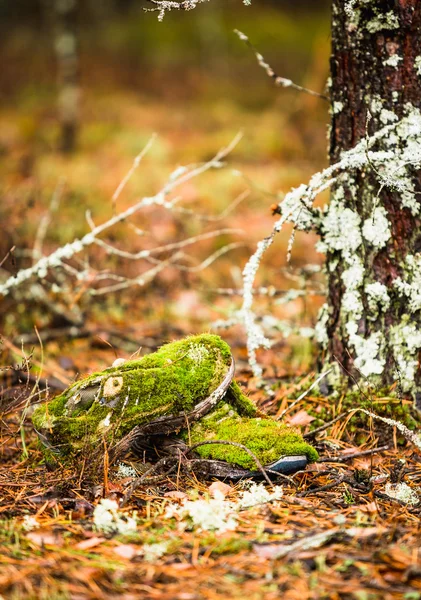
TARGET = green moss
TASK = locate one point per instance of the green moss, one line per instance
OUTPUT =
(240, 402)
(266, 438)
(110, 403)
(222, 546)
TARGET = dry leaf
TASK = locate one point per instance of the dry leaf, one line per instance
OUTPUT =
(219, 487)
(89, 543)
(126, 551)
(45, 537)
(301, 418)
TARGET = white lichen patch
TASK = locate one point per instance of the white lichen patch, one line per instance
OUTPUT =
(337, 107)
(387, 116)
(320, 331)
(352, 304)
(410, 286)
(108, 519)
(124, 471)
(259, 494)
(30, 523)
(402, 492)
(353, 15)
(217, 513)
(210, 514)
(405, 340)
(376, 104)
(393, 61)
(295, 208)
(383, 21)
(153, 552)
(340, 229)
(417, 65)
(368, 358)
(198, 353)
(378, 297)
(376, 229)
(354, 276)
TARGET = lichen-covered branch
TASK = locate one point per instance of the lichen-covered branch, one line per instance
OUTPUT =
(279, 81)
(164, 6)
(59, 259)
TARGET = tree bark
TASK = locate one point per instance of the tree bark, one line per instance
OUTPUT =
(66, 48)
(371, 322)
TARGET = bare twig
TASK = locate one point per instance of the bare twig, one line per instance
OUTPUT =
(45, 222)
(279, 81)
(345, 457)
(134, 166)
(163, 6)
(327, 425)
(59, 258)
(303, 395)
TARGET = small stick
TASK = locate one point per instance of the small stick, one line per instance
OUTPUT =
(303, 395)
(279, 81)
(327, 425)
(344, 457)
(324, 488)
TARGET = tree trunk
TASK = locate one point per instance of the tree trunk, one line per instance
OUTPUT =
(371, 324)
(66, 47)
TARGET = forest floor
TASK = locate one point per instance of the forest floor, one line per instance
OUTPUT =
(335, 532)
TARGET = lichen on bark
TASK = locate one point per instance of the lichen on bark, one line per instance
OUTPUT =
(371, 229)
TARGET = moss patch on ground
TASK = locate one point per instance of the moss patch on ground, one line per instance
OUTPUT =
(265, 437)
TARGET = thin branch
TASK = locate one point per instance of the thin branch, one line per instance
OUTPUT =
(311, 434)
(45, 222)
(279, 81)
(130, 173)
(68, 251)
(304, 394)
(166, 247)
(163, 6)
(345, 457)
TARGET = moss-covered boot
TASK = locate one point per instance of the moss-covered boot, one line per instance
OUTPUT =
(183, 393)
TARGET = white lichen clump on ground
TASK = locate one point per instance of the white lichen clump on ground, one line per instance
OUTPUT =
(402, 492)
(219, 514)
(30, 523)
(125, 471)
(213, 514)
(153, 552)
(259, 494)
(107, 518)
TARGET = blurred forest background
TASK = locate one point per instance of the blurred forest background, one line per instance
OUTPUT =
(193, 82)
